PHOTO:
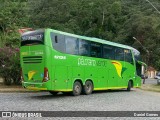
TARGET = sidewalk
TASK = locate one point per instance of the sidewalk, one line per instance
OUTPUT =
(151, 85)
(13, 88)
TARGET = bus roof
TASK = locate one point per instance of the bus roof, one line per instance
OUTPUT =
(94, 40)
(135, 51)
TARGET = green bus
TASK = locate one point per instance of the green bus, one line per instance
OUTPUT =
(57, 61)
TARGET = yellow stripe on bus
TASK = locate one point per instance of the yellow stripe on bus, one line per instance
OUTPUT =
(63, 90)
(109, 88)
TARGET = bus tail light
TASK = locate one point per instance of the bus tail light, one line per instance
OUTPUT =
(21, 73)
(46, 75)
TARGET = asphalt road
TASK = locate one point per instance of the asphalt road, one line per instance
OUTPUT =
(119, 100)
(135, 100)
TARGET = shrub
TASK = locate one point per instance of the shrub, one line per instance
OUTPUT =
(10, 65)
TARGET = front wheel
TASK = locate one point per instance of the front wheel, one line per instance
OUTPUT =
(88, 88)
(129, 86)
(77, 88)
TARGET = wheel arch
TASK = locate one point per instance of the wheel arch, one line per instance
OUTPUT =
(89, 80)
(79, 80)
(132, 83)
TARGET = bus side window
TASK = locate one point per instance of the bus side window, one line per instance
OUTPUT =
(128, 56)
(119, 54)
(71, 45)
(84, 47)
(56, 39)
(108, 52)
(95, 50)
(58, 42)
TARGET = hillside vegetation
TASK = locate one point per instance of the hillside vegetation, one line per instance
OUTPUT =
(112, 20)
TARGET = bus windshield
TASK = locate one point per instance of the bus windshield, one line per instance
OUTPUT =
(32, 38)
(136, 54)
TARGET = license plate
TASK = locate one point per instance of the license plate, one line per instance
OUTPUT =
(32, 85)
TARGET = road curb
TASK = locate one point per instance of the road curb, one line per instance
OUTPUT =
(150, 87)
(13, 89)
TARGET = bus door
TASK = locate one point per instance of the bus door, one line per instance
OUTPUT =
(139, 71)
(138, 68)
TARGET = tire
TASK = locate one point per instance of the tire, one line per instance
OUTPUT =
(88, 88)
(77, 88)
(129, 86)
(53, 92)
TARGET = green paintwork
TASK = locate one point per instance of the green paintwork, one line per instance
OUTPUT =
(64, 72)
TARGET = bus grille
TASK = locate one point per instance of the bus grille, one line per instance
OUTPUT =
(32, 59)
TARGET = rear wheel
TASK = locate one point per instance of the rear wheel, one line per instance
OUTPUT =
(88, 88)
(77, 89)
(129, 86)
(53, 92)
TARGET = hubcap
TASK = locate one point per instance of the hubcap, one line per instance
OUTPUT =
(89, 87)
(77, 89)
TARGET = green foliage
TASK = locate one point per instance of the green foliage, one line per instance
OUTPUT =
(113, 20)
(117, 21)
(10, 65)
(13, 16)
(116, 8)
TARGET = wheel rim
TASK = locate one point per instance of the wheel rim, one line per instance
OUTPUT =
(88, 87)
(77, 89)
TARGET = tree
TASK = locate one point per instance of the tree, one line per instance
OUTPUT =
(13, 16)
(117, 21)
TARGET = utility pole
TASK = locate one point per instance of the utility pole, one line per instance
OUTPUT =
(148, 56)
(141, 44)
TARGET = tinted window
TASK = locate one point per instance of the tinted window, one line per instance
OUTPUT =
(32, 38)
(138, 69)
(108, 52)
(84, 48)
(95, 49)
(136, 54)
(58, 42)
(71, 45)
(119, 54)
(138, 57)
(128, 56)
